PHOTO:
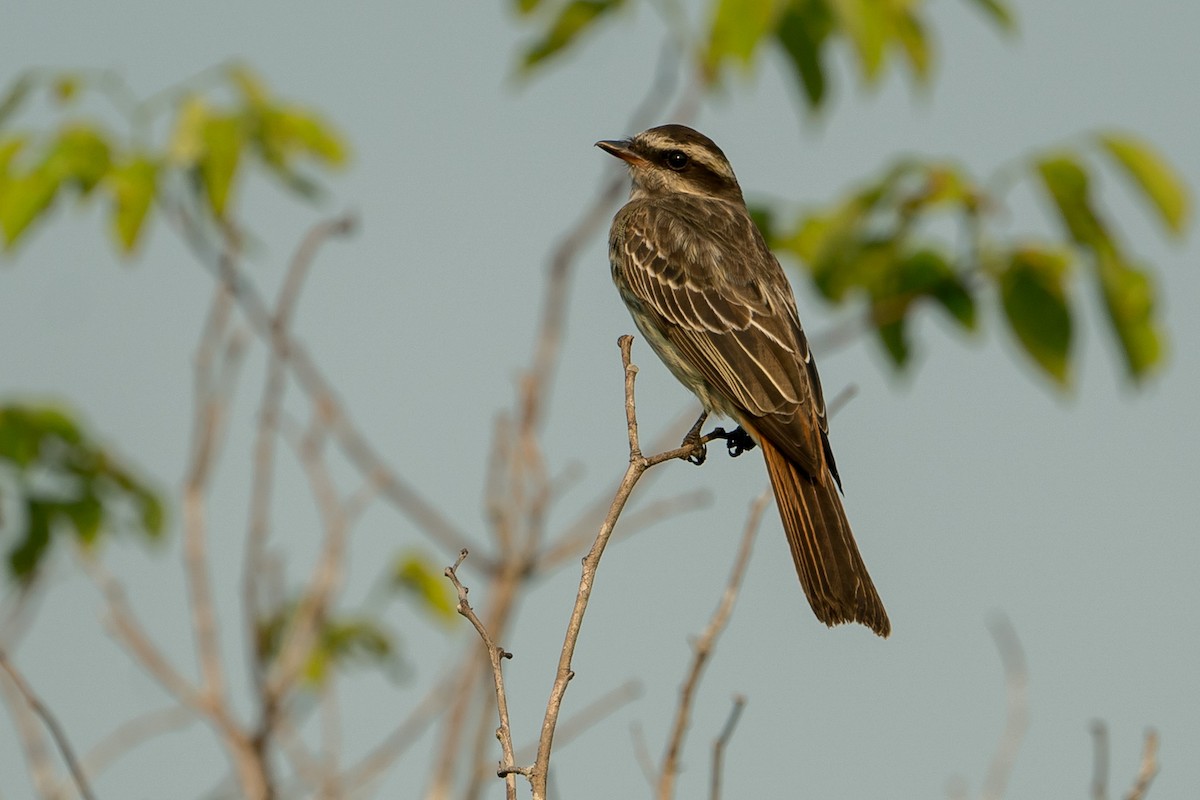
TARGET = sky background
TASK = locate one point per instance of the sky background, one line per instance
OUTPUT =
(972, 486)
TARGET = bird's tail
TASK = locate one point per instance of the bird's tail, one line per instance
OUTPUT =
(831, 570)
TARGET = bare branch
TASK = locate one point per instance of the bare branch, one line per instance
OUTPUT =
(1100, 767)
(37, 754)
(134, 732)
(702, 651)
(508, 768)
(1016, 678)
(209, 405)
(602, 707)
(638, 464)
(718, 764)
(309, 378)
(1148, 769)
(51, 722)
(264, 447)
(371, 766)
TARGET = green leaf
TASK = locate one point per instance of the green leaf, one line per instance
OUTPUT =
(928, 272)
(86, 515)
(894, 336)
(187, 139)
(290, 130)
(802, 32)
(1067, 183)
(866, 22)
(525, 7)
(575, 17)
(910, 33)
(249, 84)
(738, 27)
(1160, 184)
(133, 186)
(67, 484)
(80, 156)
(417, 576)
(25, 558)
(223, 140)
(25, 198)
(1035, 304)
(999, 13)
(1129, 299)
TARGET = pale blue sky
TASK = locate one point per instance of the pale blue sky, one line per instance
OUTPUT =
(972, 487)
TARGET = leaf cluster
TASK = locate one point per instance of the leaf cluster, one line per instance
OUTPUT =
(876, 244)
(217, 126)
(62, 483)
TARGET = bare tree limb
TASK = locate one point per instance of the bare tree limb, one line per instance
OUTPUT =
(266, 436)
(1100, 766)
(51, 722)
(1016, 678)
(30, 733)
(720, 743)
(132, 733)
(702, 651)
(1148, 769)
(372, 765)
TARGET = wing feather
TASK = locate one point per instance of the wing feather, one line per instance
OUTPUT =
(702, 271)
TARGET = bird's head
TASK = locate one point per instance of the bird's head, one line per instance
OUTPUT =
(674, 159)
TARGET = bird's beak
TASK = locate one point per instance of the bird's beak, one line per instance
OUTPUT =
(620, 149)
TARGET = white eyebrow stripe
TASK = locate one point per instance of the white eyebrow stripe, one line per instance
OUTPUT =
(697, 152)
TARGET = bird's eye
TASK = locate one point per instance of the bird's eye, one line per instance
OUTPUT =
(677, 159)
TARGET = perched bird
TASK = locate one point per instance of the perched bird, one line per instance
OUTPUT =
(710, 298)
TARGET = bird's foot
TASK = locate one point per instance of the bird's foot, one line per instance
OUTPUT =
(695, 441)
(739, 442)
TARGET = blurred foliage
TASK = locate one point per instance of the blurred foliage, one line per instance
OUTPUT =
(737, 31)
(61, 483)
(219, 125)
(414, 575)
(878, 244)
(341, 642)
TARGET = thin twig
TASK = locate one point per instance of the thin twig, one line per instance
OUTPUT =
(720, 743)
(1148, 769)
(266, 437)
(1100, 765)
(496, 655)
(1016, 678)
(132, 733)
(51, 722)
(702, 651)
(372, 765)
(638, 464)
(602, 707)
(353, 443)
(30, 732)
(653, 512)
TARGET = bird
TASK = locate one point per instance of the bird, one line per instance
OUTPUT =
(711, 299)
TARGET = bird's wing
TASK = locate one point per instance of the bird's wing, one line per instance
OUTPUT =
(720, 297)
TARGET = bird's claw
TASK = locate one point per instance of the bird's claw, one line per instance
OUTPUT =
(738, 442)
(699, 448)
